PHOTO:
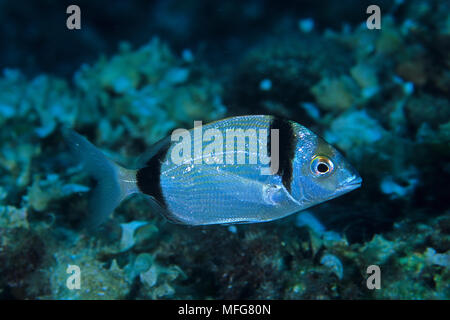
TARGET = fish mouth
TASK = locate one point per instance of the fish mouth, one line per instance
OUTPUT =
(350, 184)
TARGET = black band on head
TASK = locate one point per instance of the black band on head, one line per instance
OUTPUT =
(286, 149)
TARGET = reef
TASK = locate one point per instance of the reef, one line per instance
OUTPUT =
(380, 96)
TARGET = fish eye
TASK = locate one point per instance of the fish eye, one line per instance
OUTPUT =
(321, 165)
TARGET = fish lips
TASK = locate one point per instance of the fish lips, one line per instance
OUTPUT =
(350, 184)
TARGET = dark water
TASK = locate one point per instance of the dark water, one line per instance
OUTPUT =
(136, 70)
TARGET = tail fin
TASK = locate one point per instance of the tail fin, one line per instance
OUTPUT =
(114, 183)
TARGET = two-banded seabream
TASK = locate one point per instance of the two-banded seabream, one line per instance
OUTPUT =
(196, 192)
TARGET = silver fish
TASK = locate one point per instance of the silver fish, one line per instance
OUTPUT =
(208, 189)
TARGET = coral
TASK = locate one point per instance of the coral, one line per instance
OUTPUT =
(42, 192)
(440, 259)
(96, 280)
(378, 250)
(22, 253)
(12, 217)
(136, 232)
(396, 190)
(354, 129)
(335, 265)
(365, 75)
(335, 93)
(157, 279)
(148, 91)
(307, 219)
(425, 108)
(293, 65)
(390, 39)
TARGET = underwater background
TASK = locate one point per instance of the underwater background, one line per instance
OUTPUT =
(136, 70)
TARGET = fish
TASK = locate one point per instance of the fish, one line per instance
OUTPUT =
(270, 168)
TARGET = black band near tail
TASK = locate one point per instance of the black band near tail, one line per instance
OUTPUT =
(286, 149)
(148, 178)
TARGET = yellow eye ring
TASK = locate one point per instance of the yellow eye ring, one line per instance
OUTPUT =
(321, 165)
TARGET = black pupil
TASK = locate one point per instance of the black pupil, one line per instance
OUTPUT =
(322, 167)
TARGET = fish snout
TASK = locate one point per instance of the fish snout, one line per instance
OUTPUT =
(351, 183)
